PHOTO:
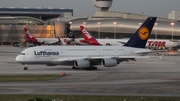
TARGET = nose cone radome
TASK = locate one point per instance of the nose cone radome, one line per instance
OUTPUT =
(175, 44)
(17, 58)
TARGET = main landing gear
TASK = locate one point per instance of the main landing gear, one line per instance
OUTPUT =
(90, 68)
(25, 67)
(73, 67)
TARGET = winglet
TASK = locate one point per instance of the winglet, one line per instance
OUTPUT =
(141, 36)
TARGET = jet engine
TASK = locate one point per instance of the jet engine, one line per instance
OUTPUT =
(109, 62)
(81, 63)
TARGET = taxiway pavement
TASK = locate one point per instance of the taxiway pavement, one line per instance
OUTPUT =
(144, 77)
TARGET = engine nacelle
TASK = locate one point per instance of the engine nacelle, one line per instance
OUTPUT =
(81, 63)
(109, 62)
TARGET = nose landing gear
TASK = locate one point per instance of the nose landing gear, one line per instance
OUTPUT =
(25, 67)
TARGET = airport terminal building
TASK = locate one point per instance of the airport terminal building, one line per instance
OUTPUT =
(112, 24)
(51, 22)
(13, 20)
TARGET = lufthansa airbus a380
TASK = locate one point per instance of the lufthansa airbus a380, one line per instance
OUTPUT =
(90, 56)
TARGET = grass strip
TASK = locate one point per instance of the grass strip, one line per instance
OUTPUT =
(18, 97)
(20, 78)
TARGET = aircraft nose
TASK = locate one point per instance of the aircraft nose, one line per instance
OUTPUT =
(17, 58)
(177, 44)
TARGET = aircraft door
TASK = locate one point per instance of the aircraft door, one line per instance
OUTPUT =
(61, 50)
(30, 55)
(115, 50)
(99, 50)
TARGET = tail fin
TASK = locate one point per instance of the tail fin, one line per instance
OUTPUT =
(88, 37)
(141, 36)
(70, 34)
(29, 36)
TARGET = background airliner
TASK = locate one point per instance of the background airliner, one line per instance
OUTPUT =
(39, 41)
(90, 56)
(90, 40)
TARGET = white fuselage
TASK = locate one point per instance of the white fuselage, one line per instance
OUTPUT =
(151, 43)
(54, 54)
(48, 40)
(64, 41)
(160, 43)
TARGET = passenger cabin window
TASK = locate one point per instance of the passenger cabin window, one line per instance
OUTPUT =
(22, 53)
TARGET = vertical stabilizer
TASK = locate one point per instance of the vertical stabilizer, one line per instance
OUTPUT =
(141, 36)
(70, 34)
(88, 37)
(29, 36)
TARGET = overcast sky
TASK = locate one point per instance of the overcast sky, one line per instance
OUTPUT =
(159, 8)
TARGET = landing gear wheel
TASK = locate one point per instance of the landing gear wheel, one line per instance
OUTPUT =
(92, 68)
(74, 67)
(25, 68)
(95, 68)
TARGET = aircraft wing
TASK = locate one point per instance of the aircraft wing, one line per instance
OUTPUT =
(100, 58)
(122, 42)
(67, 61)
(54, 42)
(121, 57)
(143, 52)
(70, 59)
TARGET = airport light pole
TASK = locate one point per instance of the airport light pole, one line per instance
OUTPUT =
(84, 23)
(99, 34)
(114, 29)
(156, 30)
(172, 24)
(140, 23)
(70, 23)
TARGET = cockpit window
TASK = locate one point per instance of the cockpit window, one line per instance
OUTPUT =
(22, 53)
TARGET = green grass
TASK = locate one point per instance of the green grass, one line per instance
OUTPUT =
(83, 98)
(20, 78)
